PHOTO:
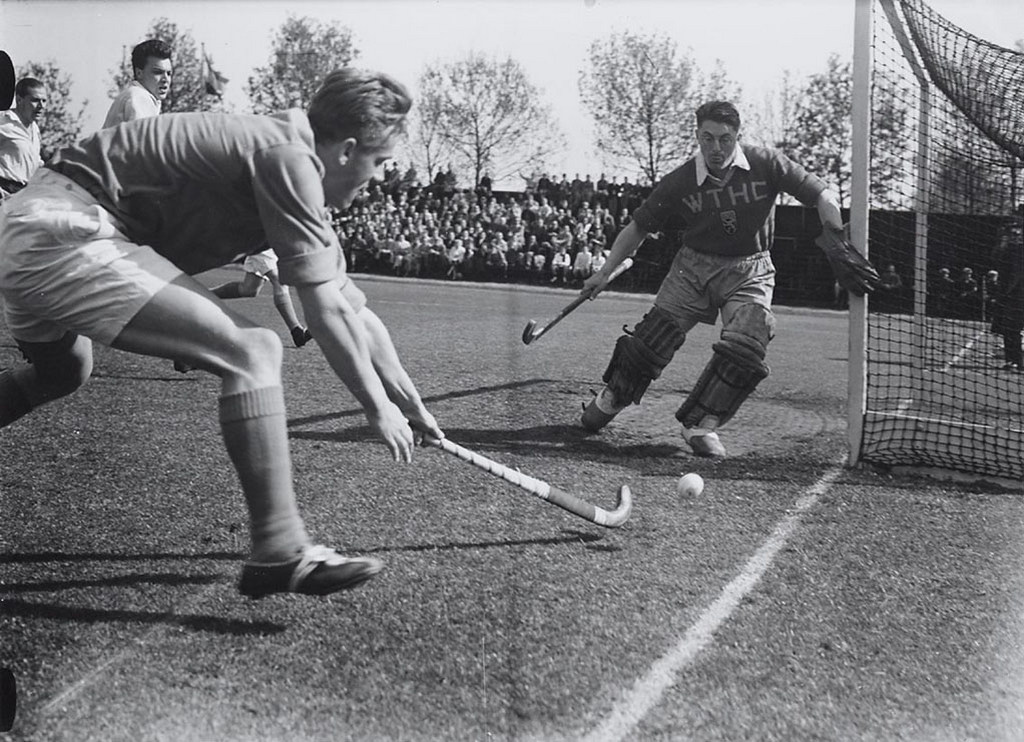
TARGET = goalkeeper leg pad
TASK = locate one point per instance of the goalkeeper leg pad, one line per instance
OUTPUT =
(736, 368)
(640, 356)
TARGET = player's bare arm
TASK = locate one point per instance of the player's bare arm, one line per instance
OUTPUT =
(399, 387)
(625, 245)
(344, 341)
(828, 210)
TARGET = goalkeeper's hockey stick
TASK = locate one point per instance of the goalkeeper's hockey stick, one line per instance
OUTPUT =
(566, 501)
(531, 332)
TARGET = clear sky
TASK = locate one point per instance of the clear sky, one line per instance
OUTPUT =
(756, 39)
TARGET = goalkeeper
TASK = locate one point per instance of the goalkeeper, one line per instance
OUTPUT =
(721, 202)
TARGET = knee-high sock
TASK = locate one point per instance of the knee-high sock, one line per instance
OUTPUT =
(256, 438)
(14, 402)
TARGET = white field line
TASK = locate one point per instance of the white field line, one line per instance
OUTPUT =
(900, 414)
(647, 691)
(60, 699)
(963, 352)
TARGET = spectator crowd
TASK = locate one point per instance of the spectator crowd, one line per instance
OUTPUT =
(557, 231)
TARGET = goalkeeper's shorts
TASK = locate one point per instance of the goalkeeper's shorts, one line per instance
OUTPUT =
(699, 285)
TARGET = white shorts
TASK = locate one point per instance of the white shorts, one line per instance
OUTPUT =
(66, 266)
(699, 285)
(261, 263)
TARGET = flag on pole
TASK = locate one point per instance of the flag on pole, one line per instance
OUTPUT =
(214, 80)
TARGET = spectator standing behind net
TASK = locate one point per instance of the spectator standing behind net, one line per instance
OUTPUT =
(1008, 314)
(101, 245)
(144, 95)
(722, 203)
(20, 142)
(990, 292)
(966, 300)
(943, 294)
(889, 289)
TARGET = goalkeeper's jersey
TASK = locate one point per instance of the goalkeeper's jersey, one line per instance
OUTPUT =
(205, 189)
(732, 216)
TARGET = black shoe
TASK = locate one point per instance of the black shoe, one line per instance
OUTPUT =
(301, 336)
(317, 571)
(182, 368)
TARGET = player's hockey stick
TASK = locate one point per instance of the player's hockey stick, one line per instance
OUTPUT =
(531, 332)
(575, 505)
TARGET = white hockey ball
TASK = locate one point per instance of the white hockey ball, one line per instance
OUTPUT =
(690, 485)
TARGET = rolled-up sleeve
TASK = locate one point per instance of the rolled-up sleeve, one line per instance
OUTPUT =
(287, 183)
(793, 179)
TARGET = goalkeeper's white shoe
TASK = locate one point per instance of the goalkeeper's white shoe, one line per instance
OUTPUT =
(704, 443)
(602, 410)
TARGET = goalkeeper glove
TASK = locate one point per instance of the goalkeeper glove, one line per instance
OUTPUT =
(851, 269)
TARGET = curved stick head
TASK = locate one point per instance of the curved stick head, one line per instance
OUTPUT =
(528, 331)
(623, 508)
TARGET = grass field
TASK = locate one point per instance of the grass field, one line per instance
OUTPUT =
(793, 600)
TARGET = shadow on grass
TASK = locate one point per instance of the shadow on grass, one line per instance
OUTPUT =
(63, 556)
(572, 536)
(427, 400)
(118, 581)
(212, 624)
(215, 624)
(537, 441)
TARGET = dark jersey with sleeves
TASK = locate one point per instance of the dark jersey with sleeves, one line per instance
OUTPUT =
(205, 189)
(734, 216)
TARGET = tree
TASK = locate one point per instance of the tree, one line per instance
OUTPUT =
(642, 94)
(819, 136)
(889, 134)
(188, 83)
(426, 145)
(59, 126)
(303, 52)
(765, 121)
(716, 85)
(489, 116)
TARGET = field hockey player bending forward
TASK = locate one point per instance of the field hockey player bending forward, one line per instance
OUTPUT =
(101, 244)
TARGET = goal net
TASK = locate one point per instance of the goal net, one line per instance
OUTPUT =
(938, 188)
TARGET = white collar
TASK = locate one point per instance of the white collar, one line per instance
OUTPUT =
(739, 159)
(156, 100)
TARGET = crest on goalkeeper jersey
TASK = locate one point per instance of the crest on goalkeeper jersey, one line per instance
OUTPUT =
(729, 221)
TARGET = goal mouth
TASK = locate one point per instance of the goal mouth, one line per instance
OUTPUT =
(937, 198)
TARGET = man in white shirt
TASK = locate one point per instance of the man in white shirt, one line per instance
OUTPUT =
(20, 143)
(582, 264)
(151, 67)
